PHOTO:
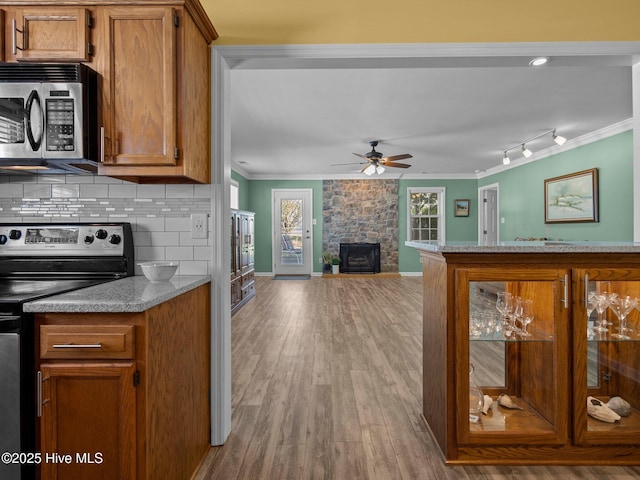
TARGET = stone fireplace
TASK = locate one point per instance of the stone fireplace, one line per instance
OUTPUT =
(362, 211)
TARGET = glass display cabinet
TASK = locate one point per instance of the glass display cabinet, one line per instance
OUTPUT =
(607, 356)
(532, 357)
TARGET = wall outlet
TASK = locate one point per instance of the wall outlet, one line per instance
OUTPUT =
(199, 225)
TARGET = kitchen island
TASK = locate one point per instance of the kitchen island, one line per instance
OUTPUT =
(549, 365)
(124, 378)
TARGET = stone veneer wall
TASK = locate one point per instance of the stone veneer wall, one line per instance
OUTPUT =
(361, 211)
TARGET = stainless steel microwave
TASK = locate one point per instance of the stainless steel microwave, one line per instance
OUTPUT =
(48, 118)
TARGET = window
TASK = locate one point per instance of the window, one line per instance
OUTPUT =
(426, 214)
(234, 189)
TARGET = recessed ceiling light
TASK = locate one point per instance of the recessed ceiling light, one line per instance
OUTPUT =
(539, 61)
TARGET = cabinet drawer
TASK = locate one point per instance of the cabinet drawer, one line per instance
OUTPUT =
(247, 278)
(86, 341)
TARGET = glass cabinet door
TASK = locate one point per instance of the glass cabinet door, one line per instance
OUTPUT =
(607, 356)
(512, 335)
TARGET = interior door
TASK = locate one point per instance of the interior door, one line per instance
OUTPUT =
(488, 228)
(292, 232)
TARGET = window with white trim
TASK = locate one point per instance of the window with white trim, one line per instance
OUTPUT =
(234, 190)
(425, 213)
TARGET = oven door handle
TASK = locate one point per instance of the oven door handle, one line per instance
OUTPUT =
(34, 98)
(77, 345)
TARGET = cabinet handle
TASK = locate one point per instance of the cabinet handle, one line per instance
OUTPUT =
(102, 144)
(39, 393)
(586, 290)
(77, 345)
(14, 37)
(565, 300)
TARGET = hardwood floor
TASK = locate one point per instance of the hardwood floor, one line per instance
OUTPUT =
(327, 385)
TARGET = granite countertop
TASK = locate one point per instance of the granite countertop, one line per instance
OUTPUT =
(527, 247)
(131, 294)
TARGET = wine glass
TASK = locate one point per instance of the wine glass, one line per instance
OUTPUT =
(591, 306)
(602, 303)
(503, 302)
(622, 306)
(527, 316)
(516, 313)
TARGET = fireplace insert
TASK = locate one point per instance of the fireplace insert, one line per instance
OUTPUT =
(360, 258)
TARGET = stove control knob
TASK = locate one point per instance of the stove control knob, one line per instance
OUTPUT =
(101, 234)
(88, 239)
(15, 234)
(3, 239)
(114, 239)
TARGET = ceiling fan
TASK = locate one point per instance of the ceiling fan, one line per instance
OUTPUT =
(375, 162)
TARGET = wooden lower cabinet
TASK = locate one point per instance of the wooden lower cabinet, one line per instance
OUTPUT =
(549, 370)
(126, 395)
(88, 421)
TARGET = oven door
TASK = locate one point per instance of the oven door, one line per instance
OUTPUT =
(21, 121)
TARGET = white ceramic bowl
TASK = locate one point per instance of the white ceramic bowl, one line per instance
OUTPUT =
(159, 271)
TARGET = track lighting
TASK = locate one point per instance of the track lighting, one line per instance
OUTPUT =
(558, 139)
(526, 152)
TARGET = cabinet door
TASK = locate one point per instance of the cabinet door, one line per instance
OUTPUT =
(527, 361)
(140, 116)
(2, 56)
(52, 34)
(607, 354)
(89, 413)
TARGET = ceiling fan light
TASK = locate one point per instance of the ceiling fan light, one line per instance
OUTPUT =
(526, 152)
(506, 160)
(369, 170)
(558, 138)
(380, 169)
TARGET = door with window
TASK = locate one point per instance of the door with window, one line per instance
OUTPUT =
(292, 232)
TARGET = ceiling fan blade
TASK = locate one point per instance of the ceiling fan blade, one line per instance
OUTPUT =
(361, 156)
(393, 158)
(394, 164)
(350, 163)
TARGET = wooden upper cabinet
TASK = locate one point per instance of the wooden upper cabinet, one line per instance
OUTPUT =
(139, 86)
(155, 63)
(51, 34)
(2, 57)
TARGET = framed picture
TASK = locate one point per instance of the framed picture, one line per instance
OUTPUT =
(572, 197)
(461, 207)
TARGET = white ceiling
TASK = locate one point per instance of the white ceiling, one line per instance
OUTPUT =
(456, 116)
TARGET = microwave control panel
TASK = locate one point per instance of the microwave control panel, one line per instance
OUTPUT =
(60, 113)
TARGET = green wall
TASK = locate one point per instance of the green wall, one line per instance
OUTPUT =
(521, 193)
(521, 202)
(456, 228)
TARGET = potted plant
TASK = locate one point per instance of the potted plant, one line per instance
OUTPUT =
(335, 264)
(326, 261)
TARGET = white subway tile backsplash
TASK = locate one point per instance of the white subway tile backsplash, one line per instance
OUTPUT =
(159, 214)
(94, 191)
(179, 253)
(179, 191)
(11, 190)
(178, 224)
(192, 268)
(37, 190)
(165, 238)
(122, 191)
(151, 191)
